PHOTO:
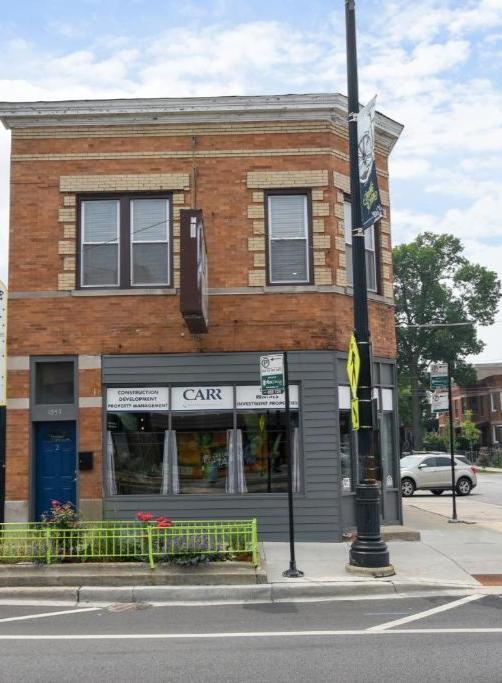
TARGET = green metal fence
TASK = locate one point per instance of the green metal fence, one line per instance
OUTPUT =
(128, 541)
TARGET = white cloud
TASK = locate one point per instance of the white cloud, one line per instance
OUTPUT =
(421, 58)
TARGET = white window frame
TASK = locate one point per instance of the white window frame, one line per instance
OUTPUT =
(493, 402)
(133, 241)
(270, 238)
(348, 247)
(82, 243)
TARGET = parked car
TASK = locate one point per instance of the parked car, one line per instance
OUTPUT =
(433, 473)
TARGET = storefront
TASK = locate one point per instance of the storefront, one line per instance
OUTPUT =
(191, 436)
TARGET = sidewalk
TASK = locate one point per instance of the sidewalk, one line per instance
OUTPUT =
(449, 557)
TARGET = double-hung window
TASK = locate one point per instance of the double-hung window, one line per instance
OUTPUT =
(125, 242)
(288, 239)
(370, 246)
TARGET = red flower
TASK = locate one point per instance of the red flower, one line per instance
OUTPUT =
(144, 516)
(163, 523)
(55, 503)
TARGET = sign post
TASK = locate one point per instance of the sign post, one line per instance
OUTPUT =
(274, 379)
(3, 393)
(452, 448)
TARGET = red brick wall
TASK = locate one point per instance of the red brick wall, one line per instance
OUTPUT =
(96, 325)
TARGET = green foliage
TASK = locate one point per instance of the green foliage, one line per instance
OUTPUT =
(434, 441)
(469, 431)
(433, 284)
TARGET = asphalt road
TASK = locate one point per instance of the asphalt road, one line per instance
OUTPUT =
(488, 490)
(406, 639)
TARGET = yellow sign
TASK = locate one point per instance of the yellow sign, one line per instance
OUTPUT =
(354, 414)
(353, 366)
(353, 369)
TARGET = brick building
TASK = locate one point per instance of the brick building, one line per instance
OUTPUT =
(484, 401)
(95, 330)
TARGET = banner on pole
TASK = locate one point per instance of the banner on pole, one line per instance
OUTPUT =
(371, 205)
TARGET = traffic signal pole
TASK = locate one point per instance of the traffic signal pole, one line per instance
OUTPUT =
(368, 553)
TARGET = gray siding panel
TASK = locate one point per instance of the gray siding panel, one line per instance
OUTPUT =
(318, 509)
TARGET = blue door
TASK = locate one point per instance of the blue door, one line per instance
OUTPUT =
(55, 464)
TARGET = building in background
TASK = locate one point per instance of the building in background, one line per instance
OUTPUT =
(113, 403)
(484, 401)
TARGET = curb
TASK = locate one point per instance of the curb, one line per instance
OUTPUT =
(200, 595)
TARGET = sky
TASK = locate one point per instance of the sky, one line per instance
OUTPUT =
(434, 64)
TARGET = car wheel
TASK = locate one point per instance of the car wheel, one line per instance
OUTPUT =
(407, 487)
(464, 486)
(437, 492)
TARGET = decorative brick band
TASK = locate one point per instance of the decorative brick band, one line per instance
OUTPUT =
(287, 179)
(198, 154)
(150, 130)
(342, 182)
(124, 183)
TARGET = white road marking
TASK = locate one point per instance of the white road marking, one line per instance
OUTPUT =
(250, 634)
(426, 613)
(50, 614)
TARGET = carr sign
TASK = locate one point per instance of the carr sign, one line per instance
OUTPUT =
(272, 374)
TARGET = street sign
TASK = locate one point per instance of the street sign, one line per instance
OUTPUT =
(353, 366)
(272, 374)
(439, 375)
(439, 402)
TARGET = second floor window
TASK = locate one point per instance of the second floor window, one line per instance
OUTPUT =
(288, 237)
(370, 246)
(125, 242)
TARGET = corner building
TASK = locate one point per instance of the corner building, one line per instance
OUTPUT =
(112, 403)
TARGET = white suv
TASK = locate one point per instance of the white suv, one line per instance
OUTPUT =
(433, 473)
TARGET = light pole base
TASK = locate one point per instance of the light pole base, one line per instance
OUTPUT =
(368, 551)
(292, 572)
(375, 572)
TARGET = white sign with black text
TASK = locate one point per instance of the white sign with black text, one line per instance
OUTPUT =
(251, 397)
(439, 402)
(137, 399)
(202, 398)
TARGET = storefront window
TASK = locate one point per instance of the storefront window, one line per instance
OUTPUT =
(199, 440)
(346, 450)
(264, 450)
(203, 443)
(135, 452)
(387, 442)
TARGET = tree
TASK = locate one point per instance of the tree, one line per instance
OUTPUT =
(435, 284)
(468, 430)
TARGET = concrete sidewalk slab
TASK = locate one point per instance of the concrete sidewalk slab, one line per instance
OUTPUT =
(325, 562)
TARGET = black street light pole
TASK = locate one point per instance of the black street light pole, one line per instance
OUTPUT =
(454, 517)
(368, 552)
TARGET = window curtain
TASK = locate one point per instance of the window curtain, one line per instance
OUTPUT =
(110, 482)
(236, 479)
(170, 473)
(296, 484)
